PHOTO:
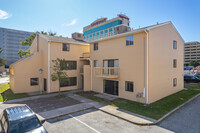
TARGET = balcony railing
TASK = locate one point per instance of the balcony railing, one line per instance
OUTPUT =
(107, 72)
(86, 55)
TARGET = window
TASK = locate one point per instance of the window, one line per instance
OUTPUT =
(174, 44)
(129, 40)
(71, 81)
(34, 81)
(95, 46)
(68, 65)
(129, 86)
(174, 82)
(174, 63)
(66, 47)
(96, 63)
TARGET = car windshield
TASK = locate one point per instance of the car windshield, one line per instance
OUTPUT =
(24, 125)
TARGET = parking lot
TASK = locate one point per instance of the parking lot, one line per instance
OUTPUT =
(95, 121)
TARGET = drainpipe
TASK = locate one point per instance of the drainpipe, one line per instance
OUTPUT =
(49, 77)
(147, 71)
(91, 74)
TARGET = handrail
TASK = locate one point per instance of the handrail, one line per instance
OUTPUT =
(107, 71)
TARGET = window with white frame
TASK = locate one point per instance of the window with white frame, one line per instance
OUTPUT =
(129, 40)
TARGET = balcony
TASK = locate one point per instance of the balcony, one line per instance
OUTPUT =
(85, 55)
(106, 72)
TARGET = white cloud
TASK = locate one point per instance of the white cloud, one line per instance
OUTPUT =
(73, 22)
(4, 15)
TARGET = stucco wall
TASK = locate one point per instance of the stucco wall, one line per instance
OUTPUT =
(131, 63)
(23, 71)
(161, 55)
(87, 77)
(73, 55)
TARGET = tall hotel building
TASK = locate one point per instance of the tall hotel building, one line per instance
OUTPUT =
(192, 52)
(102, 27)
(10, 43)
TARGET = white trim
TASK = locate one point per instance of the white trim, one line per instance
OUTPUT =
(62, 41)
(49, 77)
(84, 123)
(147, 75)
(24, 58)
(43, 37)
(69, 42)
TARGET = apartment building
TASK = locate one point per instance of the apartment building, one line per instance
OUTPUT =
(10, 43)
(33, 73)
(102, 27)
(142, 65)
(192, 52)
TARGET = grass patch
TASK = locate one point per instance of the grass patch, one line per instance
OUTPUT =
(155, 110)
(7, 94)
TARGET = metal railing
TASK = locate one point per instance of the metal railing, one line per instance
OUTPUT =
(109, 72)
(86, 55)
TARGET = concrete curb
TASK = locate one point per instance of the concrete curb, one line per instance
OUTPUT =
(35, 97)
(68, 113)
(176, 109)
(159, 120)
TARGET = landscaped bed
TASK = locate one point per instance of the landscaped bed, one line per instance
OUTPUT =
(155, 110)
(7, 94)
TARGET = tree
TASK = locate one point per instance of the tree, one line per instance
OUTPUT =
(193, 63)
(28, 41)
(59, 75)
(24, 53)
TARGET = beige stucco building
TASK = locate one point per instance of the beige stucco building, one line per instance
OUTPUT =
(142, 65)
(26, 76)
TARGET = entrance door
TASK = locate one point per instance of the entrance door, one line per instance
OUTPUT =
(111, 87)
(45, 84)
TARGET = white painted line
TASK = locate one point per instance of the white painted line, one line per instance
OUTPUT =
(84, 123)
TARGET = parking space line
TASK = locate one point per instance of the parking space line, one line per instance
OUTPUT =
(84, 123)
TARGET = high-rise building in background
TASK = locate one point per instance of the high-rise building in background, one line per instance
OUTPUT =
(10, 43)
(102, 27)
(192, 52)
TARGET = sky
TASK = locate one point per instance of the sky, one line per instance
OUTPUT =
(67, 16)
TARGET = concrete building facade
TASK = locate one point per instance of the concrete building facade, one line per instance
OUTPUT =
(10, 43)
(191, 52)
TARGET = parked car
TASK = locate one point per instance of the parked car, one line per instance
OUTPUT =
(20, 119)
(197, 75)
(191, 78)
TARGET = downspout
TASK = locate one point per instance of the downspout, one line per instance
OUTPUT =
(147, 71)
(49, 80)
(91, 74)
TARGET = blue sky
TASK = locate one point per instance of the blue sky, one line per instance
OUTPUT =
(68, 16)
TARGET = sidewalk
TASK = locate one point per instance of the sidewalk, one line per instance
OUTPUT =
(127, 116)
